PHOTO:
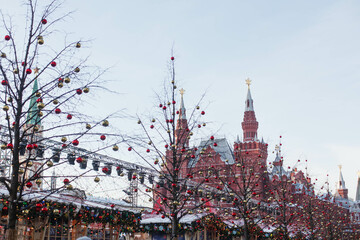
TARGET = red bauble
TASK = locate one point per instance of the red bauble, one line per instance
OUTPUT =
(202, 112)
(7, 37)
(29, 147)
(29, 184)
(103, 137)
(162, 216)
(78, 91)
(164, 107)
(39, 100)
(44, 21)
(166, 146)
(66, 181)
(129, 149)
(172, 58)
(35, 146)
(69, 116)
(173, 102)
(212, 138)
(215, 144)
(4, 82)
(147, 150)
(112, 205)
(10, 146)
(64, 145)
(173, 185)
(57, 110)
(44, 209)
(53, 64)
(193, 156)
(28, 71)
(23, 64)
(61, 80)
(75, 142)
(199, 125)
(79, 159)
(151, 126)
(160, 105)
(105, 170)
(134, 177)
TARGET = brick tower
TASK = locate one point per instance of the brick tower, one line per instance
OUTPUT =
(251, 147)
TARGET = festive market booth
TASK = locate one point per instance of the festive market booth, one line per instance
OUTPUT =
(192, 227)
(69, 215)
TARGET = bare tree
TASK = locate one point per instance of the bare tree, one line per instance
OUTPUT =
(42, 89)
(163, 143)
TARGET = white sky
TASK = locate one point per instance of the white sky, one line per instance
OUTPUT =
(303, 58)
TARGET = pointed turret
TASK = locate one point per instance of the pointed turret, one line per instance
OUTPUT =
(341, 188)
(249, 124)
(33, 117)
(182, 129)
(357, 198)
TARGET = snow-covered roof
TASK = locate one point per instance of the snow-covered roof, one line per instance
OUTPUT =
(223, 149)
(189, 218)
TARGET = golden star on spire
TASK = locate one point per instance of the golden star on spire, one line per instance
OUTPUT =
(182, 91)
(248, 82)
(36, 70)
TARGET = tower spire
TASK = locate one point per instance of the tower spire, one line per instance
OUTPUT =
(182, 129)
(182, 114)
(32, 115)
(342, 190)
(249, 124)
(357, 198)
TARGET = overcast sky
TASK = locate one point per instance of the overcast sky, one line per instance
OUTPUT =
(303, 58)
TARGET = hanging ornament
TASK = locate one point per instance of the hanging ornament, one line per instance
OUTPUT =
(96, 179)
(40, 105)
(129, 149)
(55, 102)
(50, 163)
(78, 45)
(40, 40)
(38, 182)
(29, 184)
(88, 126)
(105, 123)
(44, 21)
(53, 64)
(7, 37)
(4, 82)
(29, 147)
(38, 94)
(66, 181)
(86, 90)
(69, 187)
(57, 110)
(172, 58)
(77, 69)
(202, 112)
(9, 99)
(3, 55)
(60, 85)
(75, 142)
(16, 71)
(78, 91)
(67, 80)
(30, 164)
(28, 71)
(69, 116)
(10, 146)
(103, 137)
(105, 170)
(115, 148)
(79, 160)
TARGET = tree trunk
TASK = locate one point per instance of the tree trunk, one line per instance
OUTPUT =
(11, 234)
(174, 230)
